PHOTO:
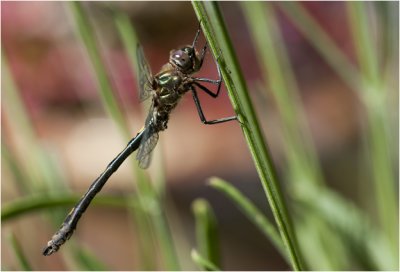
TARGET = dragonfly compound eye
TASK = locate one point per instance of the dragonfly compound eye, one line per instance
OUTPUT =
(181, 59)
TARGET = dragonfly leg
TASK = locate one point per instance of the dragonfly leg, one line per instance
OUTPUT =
(207, 91)
(212, 81)
(201, 114)
(197, 35)
(203, 51)
(203, 54)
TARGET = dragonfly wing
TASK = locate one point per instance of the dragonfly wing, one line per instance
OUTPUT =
(144, 74)
(149, 142)
(145, 161)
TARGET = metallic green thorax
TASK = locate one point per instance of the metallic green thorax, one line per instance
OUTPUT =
(171, 83)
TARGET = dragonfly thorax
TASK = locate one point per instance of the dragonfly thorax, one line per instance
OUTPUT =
(170, 80)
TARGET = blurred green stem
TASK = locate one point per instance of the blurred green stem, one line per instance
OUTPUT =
(374, 94)
(322, 43)
(87, 261)
(21, 258)
(106, 90)
(33, 164)
(25, 205)
(251, 211)
(203, 262)
(206, 231)
(371, 90)
(221, 46)
(302, 159)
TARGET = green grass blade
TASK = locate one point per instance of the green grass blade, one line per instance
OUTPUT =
(35, 203)
(251, 212)
(364, 244)
(302, 161)
(9, 161)
(87, 261)
(35, 161)
(322, 43)
(202, 262)
(34, 165)
(128, 36)
(322, 246)
(220, 44)
(275, 64)
(146, 239)
(165, 238)
(22, 260)
(206, 231)
(365, 46)
(376, 97)
(106, 90)
(15, 106)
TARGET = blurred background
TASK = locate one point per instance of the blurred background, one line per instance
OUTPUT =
(302, 63)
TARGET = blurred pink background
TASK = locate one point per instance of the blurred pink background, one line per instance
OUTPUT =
(54, 76)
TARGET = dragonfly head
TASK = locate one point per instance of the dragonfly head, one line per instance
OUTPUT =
(185, 59)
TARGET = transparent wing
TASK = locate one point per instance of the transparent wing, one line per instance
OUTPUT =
(148, 143)
(144, 74)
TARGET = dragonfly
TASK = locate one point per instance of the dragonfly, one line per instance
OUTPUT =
(166, 88)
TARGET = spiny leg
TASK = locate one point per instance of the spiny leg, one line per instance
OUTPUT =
(213, 81)
(202, 56)
(197, 35)
(207, 91)
(201, 114)
(203, 51)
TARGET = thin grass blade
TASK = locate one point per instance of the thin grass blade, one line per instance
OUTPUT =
(35, 203)
(106, 90)
(206, 231)
(375, 97)
(202, 262)
(217, 36)
(22, 259)
(87, 261)
(251, 212)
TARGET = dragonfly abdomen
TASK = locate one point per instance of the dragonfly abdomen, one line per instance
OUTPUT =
(161, 116)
